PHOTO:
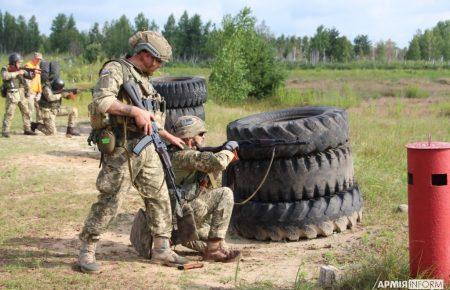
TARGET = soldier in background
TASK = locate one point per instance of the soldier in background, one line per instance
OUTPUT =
(14, 89)
(195, 174)
(50, 105)
(127, 124)
(35, 87)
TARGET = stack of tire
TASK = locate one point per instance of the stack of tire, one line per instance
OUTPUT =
(183, 95)
(309, 190)
(49, 70)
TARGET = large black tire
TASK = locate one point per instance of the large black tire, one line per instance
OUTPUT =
(45, 70)
(54, 69)
(295, 220)
(321, 127)
(173, 114)
(295, 178)
(181, 92)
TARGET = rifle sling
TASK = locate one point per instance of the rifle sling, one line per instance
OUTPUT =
(262, 181)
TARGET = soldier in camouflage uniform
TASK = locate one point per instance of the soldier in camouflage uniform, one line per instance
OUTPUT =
(50, 106)
(15, 85)
(129, 123)
(195, 174)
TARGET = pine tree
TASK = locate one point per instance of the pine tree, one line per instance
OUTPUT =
(117, 33)
(10, 32)
(33, 36)
(57, 38)
(2, 42)
(141, 22)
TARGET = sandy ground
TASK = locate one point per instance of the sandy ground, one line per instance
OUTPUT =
(270, 264)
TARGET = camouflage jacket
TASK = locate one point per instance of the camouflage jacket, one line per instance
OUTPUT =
(190, 165)
(13, 80)
(108, 89)
(49, 99)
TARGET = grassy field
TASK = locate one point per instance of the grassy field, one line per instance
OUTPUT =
(48, 184)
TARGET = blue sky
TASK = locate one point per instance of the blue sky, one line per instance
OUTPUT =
(383, 19)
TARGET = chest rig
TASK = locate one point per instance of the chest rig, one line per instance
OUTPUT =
(148, 94)
(14, 84)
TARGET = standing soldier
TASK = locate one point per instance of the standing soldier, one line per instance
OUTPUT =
(50, 106)
(14, 87)
(35, 87)
(195, 174)
(126, 125)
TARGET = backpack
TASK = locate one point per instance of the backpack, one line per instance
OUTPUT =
(4, 90)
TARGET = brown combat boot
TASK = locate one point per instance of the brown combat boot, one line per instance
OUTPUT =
(217, 251)
(72, 132)
(5, 134)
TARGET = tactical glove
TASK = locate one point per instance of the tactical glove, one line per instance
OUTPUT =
(231, 146)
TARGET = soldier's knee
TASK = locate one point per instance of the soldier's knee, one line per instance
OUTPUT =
(110, 183)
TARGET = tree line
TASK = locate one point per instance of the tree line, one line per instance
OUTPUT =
(195, 40)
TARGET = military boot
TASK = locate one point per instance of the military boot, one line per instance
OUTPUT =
(34, 126)
(72, 132)
(86, 259)
(29, 132)
(164, 255)
(217, 251)
(5, 134)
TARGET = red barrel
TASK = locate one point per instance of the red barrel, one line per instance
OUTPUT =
(429, 209)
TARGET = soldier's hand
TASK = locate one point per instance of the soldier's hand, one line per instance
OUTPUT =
(174, 140)
(21, 72)
(71, 96)
(143, 120)
(231, 146)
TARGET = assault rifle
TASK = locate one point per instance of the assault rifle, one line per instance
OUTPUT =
(74, 91)
(31, 70)
(185, 230)
(257, 143)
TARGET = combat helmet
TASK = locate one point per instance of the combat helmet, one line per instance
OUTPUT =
(13, 58)
(57, 85)
(189, 127)
(152, 42)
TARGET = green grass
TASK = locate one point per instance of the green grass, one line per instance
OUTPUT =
(36, 200)
(414, 91)
(368, 74)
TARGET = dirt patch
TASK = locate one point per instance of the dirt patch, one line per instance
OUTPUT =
(384, 107)
(374, 88)
(272, 265)
(256, 266)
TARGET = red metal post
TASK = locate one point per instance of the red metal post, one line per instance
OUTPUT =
(429, 209)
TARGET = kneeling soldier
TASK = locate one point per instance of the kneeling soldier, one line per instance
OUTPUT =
(50, 105)
(195, 173)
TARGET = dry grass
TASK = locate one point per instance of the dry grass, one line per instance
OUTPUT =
(48, 184)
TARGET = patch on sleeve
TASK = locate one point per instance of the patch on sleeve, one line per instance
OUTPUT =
(205, 155)
(105, 72)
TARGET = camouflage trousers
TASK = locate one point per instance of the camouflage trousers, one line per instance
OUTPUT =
(33, 105)
(113, 182)
(212, 213)
(10, 108)
(48, 127)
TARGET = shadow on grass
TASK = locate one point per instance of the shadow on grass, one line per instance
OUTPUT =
(75, 153)
(55, 252)
(82, 128)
